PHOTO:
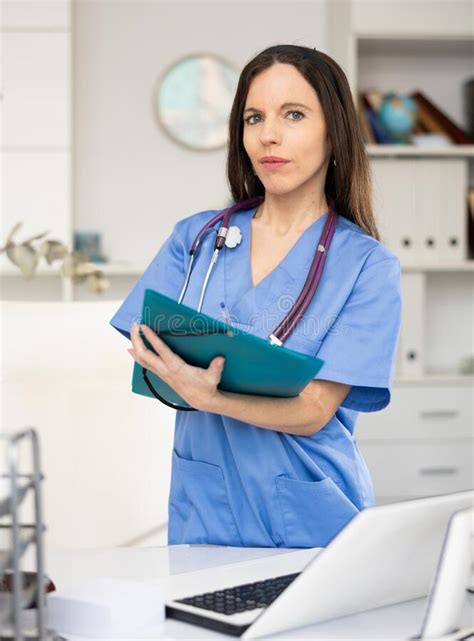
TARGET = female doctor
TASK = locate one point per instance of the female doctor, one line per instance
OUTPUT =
(260, 471)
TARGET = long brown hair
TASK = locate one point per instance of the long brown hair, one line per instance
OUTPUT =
(348, 184)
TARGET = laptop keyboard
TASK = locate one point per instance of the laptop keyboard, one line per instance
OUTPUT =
(248, 596)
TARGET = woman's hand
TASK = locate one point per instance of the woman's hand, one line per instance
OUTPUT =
(197, 386)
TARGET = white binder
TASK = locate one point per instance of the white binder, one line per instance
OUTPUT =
(441, 204)
(394, 182)
(412, 352)
(421, 208)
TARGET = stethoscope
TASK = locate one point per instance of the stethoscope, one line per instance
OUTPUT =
(231, 237)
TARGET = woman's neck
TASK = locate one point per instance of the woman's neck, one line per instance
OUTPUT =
(284, 214)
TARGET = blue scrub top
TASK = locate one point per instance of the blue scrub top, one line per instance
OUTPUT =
(237, 484)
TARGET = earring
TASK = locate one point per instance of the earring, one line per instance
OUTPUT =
(334, 162)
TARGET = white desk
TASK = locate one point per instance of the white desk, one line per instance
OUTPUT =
(68, 567)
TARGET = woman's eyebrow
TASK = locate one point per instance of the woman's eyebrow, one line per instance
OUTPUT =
(284, 106)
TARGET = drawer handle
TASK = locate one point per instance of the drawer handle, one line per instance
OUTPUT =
(439, 414)
(432, 471)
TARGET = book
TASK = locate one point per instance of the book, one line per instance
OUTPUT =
(380, 135)
(469, 105)
(438, 122)
(367, 133)
(470, 222)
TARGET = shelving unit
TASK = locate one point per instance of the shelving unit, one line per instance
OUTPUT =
(422, 443)
(400, 151)
(15, 625)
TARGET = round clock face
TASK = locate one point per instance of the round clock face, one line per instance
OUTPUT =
(193, 100)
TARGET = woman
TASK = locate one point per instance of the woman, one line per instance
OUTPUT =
(281, 472)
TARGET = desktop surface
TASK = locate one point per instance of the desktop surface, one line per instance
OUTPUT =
(172, 563)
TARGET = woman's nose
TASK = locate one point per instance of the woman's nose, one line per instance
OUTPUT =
(269, 132)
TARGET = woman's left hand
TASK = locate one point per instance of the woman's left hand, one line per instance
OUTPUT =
(196, 385)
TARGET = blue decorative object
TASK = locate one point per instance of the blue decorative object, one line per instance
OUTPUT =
(398, 116)
(89, 244)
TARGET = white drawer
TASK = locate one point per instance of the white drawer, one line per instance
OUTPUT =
(414, 468)
(421, 411)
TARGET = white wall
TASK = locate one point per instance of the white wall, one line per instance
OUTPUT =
(106, 453)
(131, 181)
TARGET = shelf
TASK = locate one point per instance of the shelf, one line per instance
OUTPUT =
(456, 379)
(121, 269)
(110, 269)
(464, 266)
(42, 271)
(436, 65)
(414, 44)
(397, 151)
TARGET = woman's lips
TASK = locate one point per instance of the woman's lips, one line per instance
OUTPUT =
(273, 164)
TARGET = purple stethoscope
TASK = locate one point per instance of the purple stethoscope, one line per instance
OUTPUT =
(230, 236)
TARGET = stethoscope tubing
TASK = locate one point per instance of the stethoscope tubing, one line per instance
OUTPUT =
(287, 325)
(289, 322)
(225, 216)
(219, 243)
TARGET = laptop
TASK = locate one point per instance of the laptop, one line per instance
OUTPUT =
(385, 555)
(452, 577)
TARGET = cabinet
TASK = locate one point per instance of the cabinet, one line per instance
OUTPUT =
(422, 443)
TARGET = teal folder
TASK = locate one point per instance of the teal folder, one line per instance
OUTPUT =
(252, 366)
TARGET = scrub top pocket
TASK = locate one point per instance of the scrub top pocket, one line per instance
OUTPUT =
(313, 512)
(245, 327)
(203, 505)
(298, 341)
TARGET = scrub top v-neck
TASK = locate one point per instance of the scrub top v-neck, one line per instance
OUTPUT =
(234, 483)
(246, 301)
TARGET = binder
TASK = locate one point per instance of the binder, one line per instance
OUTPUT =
(424, 221)
(441, 185)
(253, 365)
(398, 218)
(412, 339)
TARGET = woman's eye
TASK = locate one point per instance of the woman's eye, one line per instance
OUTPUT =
(297, 112)
(248, 119)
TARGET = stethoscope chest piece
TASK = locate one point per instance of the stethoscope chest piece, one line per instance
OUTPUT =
(234, 237)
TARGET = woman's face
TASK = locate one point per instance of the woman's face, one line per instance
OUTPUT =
(275, 126)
